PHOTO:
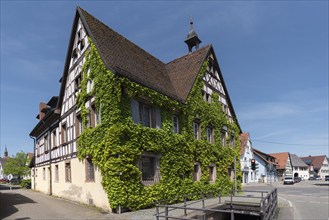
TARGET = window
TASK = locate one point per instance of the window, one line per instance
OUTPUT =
(90, 171)
(176, 124)
(78, 125)
(98, 115)
(64, 134)
(229, 173)
(56, 174)
(68, 172)
(232, 141)
(88, 120)
(196, 130)
(212, 173)
(146, 115)
(197, 172)
(210, 135)
(44, 173)
(54, 137)
(149, 166)
(223, 136)
(77, 82)
(46, 143)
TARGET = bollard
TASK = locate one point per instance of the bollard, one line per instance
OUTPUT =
(185, 212)
(202, 200)
(157, 211)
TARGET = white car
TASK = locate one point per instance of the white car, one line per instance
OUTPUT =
(288, 180)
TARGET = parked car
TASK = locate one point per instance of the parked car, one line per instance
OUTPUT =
(4, 181)
(318, 178)
(288, 180)
(312, 178)
(297, 179)
(15, 181)
(326, 178)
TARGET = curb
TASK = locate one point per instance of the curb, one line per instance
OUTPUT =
(286, 212)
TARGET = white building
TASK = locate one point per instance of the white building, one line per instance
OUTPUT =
(246, 155)
(299, 168)
(266, 167)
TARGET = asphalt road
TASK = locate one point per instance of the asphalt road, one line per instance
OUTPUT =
(309, 199)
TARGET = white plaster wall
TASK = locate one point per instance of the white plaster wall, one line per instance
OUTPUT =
(91, 193)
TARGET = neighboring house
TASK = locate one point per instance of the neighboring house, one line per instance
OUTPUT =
(284, 167)
(317, 165)
(127, 129)
(266, 166)
(246, 155)
(3, 161)
(299, 168)
(29, 157)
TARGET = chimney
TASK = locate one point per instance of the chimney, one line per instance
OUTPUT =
(42, 112)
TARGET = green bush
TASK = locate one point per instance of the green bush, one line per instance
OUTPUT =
(26, 183)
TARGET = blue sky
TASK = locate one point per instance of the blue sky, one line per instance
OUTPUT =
(273, 56)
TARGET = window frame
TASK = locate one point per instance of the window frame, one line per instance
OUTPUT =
(89, 170)
(210, 134)
(197, 130)
(197, 172)
(68, 172)
(175, 119)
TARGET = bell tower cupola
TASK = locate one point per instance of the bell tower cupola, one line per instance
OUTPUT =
(192, 39)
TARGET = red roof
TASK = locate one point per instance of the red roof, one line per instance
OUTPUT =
(281, 159)
(244, 140)
(316, 161)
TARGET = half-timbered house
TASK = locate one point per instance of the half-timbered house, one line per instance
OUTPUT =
(127, 128)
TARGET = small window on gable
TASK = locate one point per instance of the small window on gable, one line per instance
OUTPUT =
(196, 172)
(77, 82)
(175, 124)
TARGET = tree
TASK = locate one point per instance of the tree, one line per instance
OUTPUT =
(17, 166)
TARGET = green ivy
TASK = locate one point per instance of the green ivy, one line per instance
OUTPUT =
(117, 144)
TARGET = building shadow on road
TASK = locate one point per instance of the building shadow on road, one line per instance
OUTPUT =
(9, 200)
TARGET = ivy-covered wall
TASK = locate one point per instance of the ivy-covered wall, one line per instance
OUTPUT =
(117, 143)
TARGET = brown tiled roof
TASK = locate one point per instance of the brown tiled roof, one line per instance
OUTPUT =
(264, 156)
(125, 58)
(244, 140)
(281, 159)
(316, 161)
(183, 71)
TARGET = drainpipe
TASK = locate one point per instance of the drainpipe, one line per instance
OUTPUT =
(235, 188)
(34, 141)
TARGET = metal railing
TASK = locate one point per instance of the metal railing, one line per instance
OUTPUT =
(266, 205)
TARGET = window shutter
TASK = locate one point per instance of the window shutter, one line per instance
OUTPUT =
(158, 118)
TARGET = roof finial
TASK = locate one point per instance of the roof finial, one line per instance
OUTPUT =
(191, 22)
